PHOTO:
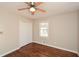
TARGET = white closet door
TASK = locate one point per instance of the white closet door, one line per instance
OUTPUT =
(25, 33)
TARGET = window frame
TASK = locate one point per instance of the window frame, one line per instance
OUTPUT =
(40, 28)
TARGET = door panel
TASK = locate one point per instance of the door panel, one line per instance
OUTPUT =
(25, 33)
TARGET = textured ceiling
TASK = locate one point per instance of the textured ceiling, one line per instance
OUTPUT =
(52, 8)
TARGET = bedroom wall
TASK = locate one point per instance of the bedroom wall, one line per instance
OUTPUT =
(9, 26)
(78, 29)
(62, 31)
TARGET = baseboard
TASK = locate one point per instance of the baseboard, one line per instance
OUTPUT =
(42, 44)
(25, 44)
(13, 50)
(78, 53)
(9, 52)
(58, 47)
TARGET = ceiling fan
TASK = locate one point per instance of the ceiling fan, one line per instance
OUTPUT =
(33, 7)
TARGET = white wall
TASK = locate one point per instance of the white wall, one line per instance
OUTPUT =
(9, 25)
(62, 31)
(78, 28)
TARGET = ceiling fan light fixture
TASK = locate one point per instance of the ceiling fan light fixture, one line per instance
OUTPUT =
(32, 9)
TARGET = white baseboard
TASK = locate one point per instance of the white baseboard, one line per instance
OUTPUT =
(40, 43)
(57, 47)
(78, 53)
(13, 50)
(9, 51)
(25, 44)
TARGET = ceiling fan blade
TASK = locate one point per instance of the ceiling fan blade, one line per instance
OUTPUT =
(23, 9)
(41, 10)
(28, 3)
(38, 3)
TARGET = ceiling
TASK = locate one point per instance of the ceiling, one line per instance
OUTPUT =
(52, 8)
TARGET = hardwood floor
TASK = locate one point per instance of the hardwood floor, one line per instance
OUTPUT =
(38, 50)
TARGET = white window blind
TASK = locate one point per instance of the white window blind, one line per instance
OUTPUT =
(44, 29)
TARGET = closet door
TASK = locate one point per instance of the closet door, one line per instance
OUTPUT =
(25, 33)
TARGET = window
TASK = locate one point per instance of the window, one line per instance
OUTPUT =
(44, 29)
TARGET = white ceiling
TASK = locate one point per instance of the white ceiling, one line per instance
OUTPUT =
(52, 8)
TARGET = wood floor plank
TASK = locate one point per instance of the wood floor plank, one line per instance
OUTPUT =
(38, 50)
